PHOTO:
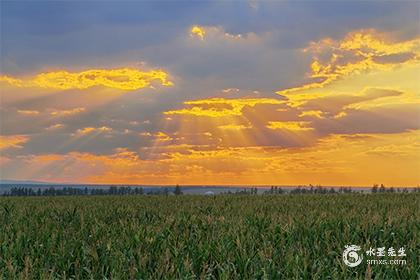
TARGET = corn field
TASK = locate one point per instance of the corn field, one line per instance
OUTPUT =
(196, 237)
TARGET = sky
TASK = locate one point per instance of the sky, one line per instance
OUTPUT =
(210, 92)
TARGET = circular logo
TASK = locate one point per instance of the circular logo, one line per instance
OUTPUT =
(350, 256)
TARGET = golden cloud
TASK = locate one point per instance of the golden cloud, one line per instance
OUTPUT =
(120, 160)
(28, 112)
(358, 52)
(148, 134)
(123, 79)
(220, 107)
(234, 126)
(55, 126)
(66, 113)
(381, 97)
(12, 141)
(161, 136)
(218, 32)
(47, 158)
(198, 31)
(312, 113)
(87, 130)
(297, 99)
(370, 42)
(291, 126)
(11, 81)
(340, 115)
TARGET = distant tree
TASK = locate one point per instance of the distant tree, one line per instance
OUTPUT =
(177, 190)
(112, 190)
(382, 188)
(375, 188)
(138, 191)
(52, 191)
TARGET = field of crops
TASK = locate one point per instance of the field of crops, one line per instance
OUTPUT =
(220, 237)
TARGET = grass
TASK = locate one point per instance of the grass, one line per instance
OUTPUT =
(189, 237)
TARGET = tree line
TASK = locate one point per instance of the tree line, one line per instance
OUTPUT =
(51, 191)
(113, 190)
(275, 190)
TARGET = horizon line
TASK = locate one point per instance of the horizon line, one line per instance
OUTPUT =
(28, 182)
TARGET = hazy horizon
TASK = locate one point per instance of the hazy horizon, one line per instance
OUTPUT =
(35, 183)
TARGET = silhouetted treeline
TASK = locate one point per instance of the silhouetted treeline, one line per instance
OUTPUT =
(113, 190)
(310, 190)
(24, 191)
(246, 191)
(383, 189)
(274, 190)
(323, 190)
(299, 190)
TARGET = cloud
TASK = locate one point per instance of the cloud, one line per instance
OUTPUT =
(55, 126)
(340, 115)
(379, 97)
(338, 105)
(12, 141)
(161, 136)
(218, 33)
(66, 113)
(291, 126)
(384, 119)
(198, 31)
(12, 81)
(28, 112)
(220, 107)
(234, 126)
(279, 123)
(360, 51)
(123, 78)
(230, 90)
(332, 97)
(328, 103)
(371, 110)
(45, 158)
(333, 160)
(312, 113)
(370, 43)
(88, 130)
